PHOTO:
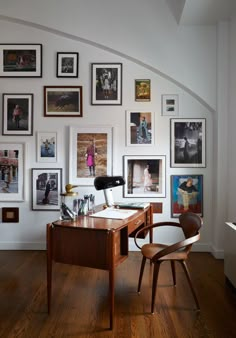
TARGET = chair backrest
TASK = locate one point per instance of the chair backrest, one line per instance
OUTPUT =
(190, 223)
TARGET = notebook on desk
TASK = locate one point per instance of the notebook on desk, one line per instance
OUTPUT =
(133, 205)
(114, 213)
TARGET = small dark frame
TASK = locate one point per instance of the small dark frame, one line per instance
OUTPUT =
(10, 215)
(67, 64)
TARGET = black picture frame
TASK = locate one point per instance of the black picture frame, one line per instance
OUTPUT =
(67, 64)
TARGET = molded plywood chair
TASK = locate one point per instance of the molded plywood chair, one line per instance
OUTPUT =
(177, 252)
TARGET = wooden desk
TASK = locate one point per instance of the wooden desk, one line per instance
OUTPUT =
(98, 243)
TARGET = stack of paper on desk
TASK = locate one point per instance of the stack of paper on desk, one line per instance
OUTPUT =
(114, 213)
(132, 205)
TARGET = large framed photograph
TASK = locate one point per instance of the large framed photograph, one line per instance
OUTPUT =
(63, 101)
(47, 147)
(17, 114)
(67, 64)
(20, 60)
(170, 105)
(46, 188)
(143, 90)
(139, 128)
(106, 84)
(188, 143)
(90, 154)
(145, 176)
(186, 194)
(12, 158)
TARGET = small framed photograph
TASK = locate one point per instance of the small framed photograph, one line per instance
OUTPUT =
(47, 147)
(188, 143)
(186, 194)
(46, 188)
(17, 114)
(10, 215)
(145, 176)
(20, 60)
(139, 128)
(143, 90)
(67, 64)
(106, 84)
(12, 158)
(90, 154)
(170, 105)
(63, 101)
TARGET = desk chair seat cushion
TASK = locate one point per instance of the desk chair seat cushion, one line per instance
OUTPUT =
(150, 250)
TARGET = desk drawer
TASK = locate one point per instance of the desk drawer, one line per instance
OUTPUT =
(137, 224)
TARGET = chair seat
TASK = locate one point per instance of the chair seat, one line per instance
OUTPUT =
(149, 250)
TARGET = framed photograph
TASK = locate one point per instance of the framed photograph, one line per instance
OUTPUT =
(63, 101)
(90, 154)
(142, 90)
(106, 84)
(170, 105)
(20, 60)
(145, 176)
(47, 147)
(46, 188)
(188, 143)
(67, 64)
(186, 194)
(139, 128)
(12, 157)
(17, 114)
(10, 215)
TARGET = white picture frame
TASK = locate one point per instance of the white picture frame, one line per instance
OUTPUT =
(139, 128)
(170, 105)
(47, 147)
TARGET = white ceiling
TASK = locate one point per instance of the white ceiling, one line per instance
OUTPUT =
(201, 12)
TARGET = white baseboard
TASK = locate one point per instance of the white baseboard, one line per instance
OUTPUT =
(22, 246)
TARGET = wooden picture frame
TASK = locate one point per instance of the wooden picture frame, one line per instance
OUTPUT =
(145, 176)
(186, 194)
(142, 90)
(90, 153)
(67, 64)
(170, 105)
(47, 147)
(106, 84)
(46, 189)
(63, 101)
(10, 215)
(188, 143)
(139, 128)
(20, 60)
(17, 114)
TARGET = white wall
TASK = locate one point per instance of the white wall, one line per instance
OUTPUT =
(148, 46)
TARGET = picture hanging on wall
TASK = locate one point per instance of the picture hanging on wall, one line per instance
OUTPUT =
(188, 143)
(63, 101)
(170, 105)
(12, 156)
(106, 84)
(90, 154)
(47, 147)
(17, 114)
(67, 64)
(186, 194)
(20, 60)
(143, 90)
(46, 188)
(145, 176)
(139, 128)
(10, 215)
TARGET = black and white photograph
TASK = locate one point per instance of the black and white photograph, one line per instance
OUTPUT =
(170, 105)
(188, 143)
(67, 64)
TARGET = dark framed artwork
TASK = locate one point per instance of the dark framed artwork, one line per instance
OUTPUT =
(10, 215)
(17, 114)
(20, 60)
(188, 143)
(186, 194)
(106, 84)
(139, 128)
(67, 64)
(145, 176)
(46, 188)
(143, 90)
(63, 101)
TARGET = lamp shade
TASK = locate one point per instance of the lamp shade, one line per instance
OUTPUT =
(106, 182)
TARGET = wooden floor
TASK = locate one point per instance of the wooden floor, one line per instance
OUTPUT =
(80, 300)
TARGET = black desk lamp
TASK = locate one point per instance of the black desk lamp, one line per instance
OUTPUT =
(106, 183)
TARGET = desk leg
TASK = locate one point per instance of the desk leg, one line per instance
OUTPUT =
(112, 277)
(49, 265)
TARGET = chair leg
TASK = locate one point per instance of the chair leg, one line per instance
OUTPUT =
(184, 265)
(141, 273)
(173, 271)
(154, 284)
